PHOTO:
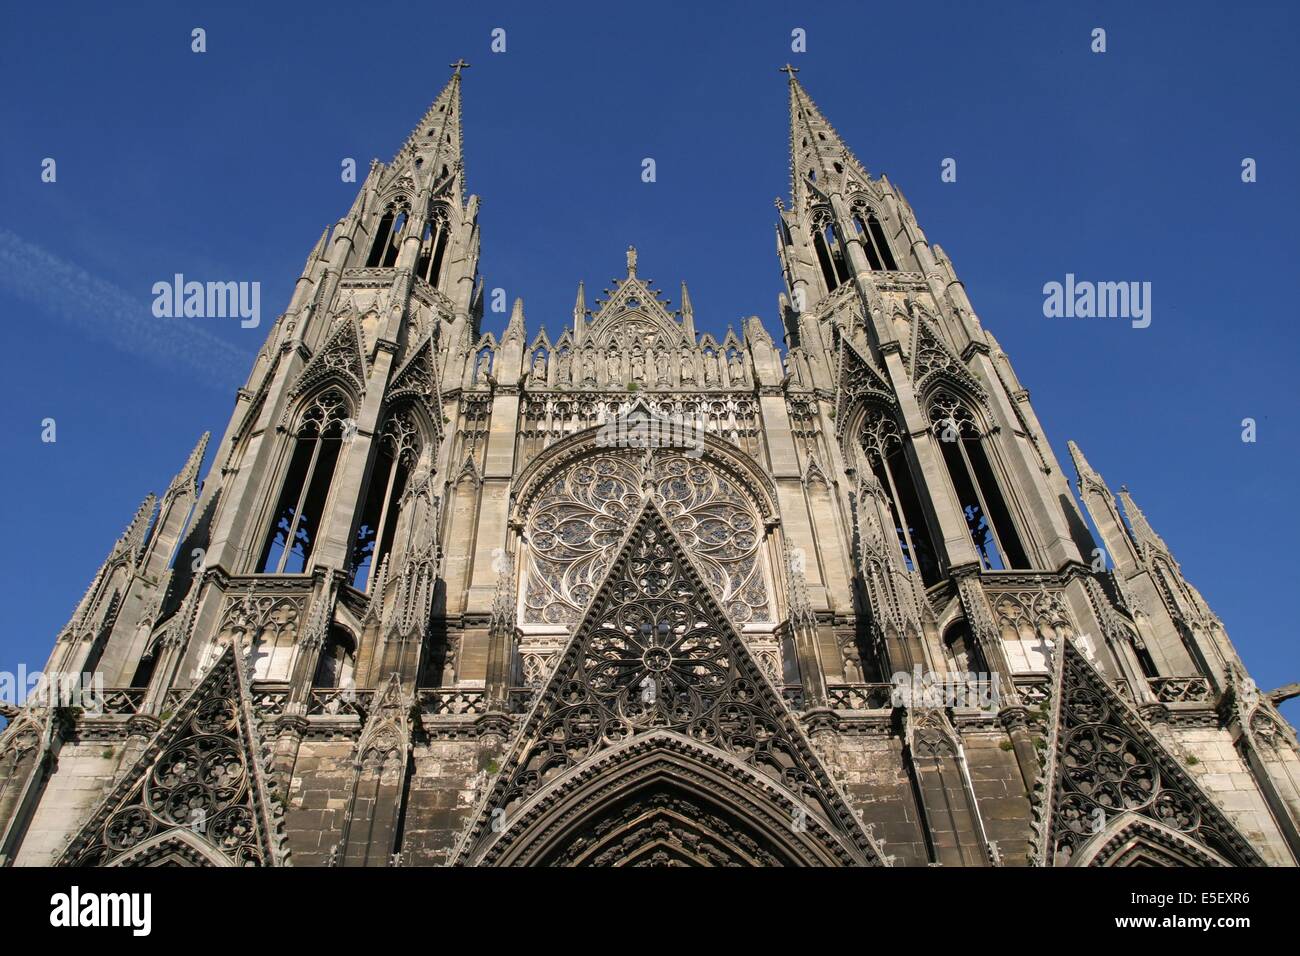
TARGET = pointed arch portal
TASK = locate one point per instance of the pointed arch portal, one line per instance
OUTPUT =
(664, 800)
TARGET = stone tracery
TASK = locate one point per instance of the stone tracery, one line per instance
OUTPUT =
(581, 515)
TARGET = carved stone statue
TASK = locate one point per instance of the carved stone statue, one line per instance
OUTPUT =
(710, 369)
(852, 663)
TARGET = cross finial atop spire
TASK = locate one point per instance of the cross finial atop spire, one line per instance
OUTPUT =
(791, 70)
(459, 65)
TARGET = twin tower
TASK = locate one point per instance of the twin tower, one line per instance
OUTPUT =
(431, 605)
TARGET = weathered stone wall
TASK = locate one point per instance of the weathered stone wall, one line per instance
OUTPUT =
(84, 772)
(1004, 805)
(448, 781)
(869, 768)
(319, 793)
(1218, 767)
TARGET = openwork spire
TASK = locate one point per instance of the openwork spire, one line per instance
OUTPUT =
(435, 146)
(815, 148)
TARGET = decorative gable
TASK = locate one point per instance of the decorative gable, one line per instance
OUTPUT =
(656, 668)
(1105, 771)
(197, 794)
(341, 357)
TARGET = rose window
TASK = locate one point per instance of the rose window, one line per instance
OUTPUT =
(581, 515)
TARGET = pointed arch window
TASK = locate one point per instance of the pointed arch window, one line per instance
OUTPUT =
(988, 518)
(337, 660)
(433, 248)
(872, 237)
(575, 525)
(886, 454)
(300, 510)
(396, 452)
(388, 238)
(830, 253)
(962, 651)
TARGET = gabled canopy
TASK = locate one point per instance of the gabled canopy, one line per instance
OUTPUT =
(658, 732)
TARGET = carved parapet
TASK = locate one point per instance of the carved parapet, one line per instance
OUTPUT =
(1179, 689)
(452, 701)
(860, 696)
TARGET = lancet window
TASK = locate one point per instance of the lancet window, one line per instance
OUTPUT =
(388, 237)
(300, 510)
(886, 454)
(872, 236)
(396, 453)
(433, 248)
(992, 529)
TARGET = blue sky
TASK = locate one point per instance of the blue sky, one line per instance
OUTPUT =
(225, 166)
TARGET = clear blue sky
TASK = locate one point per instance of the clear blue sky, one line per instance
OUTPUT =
(225, 165)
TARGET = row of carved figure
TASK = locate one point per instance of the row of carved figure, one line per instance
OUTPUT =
(651, 366)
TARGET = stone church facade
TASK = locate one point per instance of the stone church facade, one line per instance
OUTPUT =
(636, 595)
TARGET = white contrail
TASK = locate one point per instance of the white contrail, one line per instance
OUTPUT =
(72, 294)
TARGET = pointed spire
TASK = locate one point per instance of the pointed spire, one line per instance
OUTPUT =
(515, 328)
(1143, 533)
(688, 312)
(814, 144)
(579, 305)
(188, 477)
(1089, 479)
(132, 539)
(438, 134)
(318, 250)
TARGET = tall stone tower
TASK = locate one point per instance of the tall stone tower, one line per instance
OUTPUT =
(638, 595)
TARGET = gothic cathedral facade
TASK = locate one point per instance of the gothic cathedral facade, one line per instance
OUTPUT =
(635, 595)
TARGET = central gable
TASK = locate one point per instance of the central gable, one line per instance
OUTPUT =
(632, 313)
(656, 670)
